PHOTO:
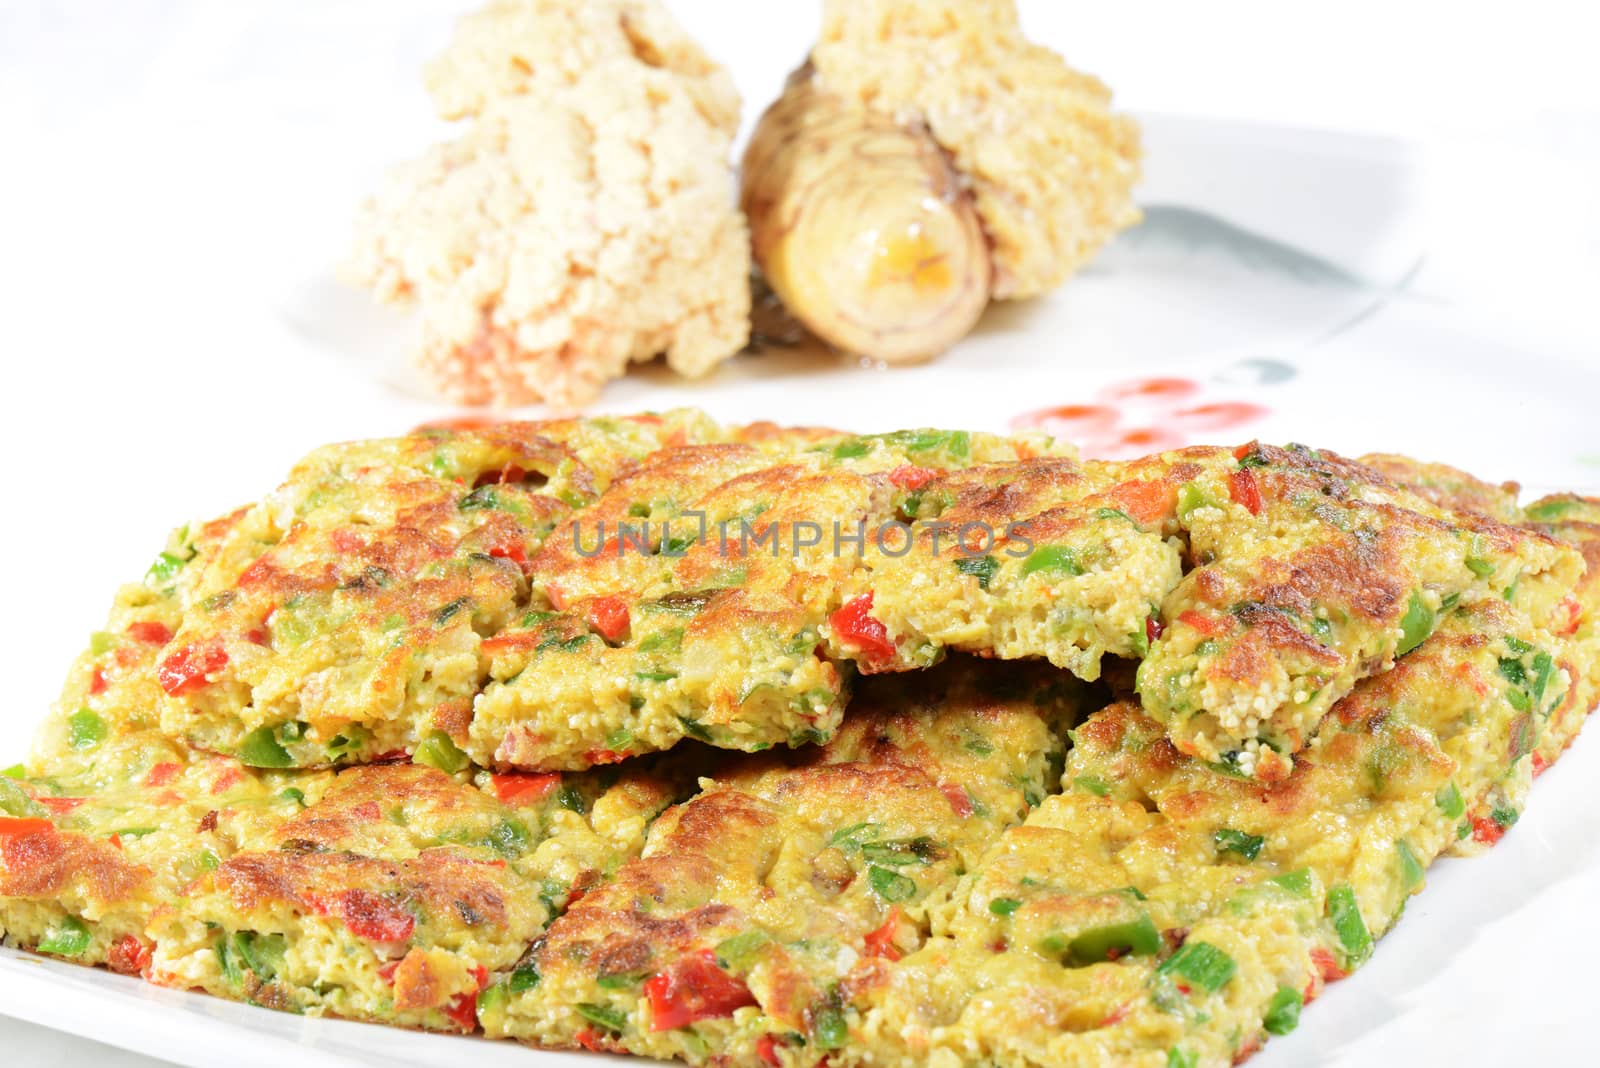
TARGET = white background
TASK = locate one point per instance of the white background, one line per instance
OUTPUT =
(175, 178)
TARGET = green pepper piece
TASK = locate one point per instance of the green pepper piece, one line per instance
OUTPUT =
(1546, 511)
(1202, 963)
(607, 1019)
(1177, 1058)
(350, 741)
(737, 952)
(828, 1028)
(1192, 497)
(15, 771)
(1137, 937)
(1052, 558)
(68, 938)
(85, 729)
(1004, 906)
(1283, 1011)
(1415, 625)
(438, 751)
(260, 749)
(1411, 870)
(1348, 924)
(492, 998)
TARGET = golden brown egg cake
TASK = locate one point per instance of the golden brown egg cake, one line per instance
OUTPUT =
(701, 597)
(434, 591)
(1449, 487)
(111, 823)
(978, 861)
(399, 891)
(1163, 911)
(1574, 622)
(340, 621)
(764, 908)
(1038, 558)
(1311, 573)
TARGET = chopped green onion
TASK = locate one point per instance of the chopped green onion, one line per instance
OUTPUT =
(570, 799)
(509, 838)
(620, 980)
(164, 568)
(1283, 1011)
(891, 885)
(1348, 924)
(1228, 840)
(437, 750)
(1449, 801)
(1546, 511)
(523, 978)
(1297, 882)
(982, 568)
(1415, 625)
(608, 1019)
(1090, 784)
(1202, 963)
(262, 954)
(1004, 906)
(1480, 567)
(1411, 869)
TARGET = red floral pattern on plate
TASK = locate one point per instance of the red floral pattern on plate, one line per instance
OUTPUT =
(1140, 416)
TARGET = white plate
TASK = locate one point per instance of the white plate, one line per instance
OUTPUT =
(1277, 269)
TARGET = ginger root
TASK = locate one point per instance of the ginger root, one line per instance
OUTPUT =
(927, 159)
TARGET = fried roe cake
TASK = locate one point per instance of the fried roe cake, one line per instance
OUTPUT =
(114, 839)
(395, 895)
(762, 910)
(1310, 573)
(433, 595)
(1163, 911)
(703, 596)
(341, 620)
